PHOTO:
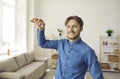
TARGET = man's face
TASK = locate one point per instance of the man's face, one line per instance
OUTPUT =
(73, 30)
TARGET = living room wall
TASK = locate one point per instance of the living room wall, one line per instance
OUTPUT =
(98, 16)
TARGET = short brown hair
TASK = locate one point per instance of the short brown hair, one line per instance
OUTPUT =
(78, 19)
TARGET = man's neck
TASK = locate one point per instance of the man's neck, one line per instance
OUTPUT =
(75, 39)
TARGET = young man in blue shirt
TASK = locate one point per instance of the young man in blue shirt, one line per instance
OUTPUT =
(75, 57)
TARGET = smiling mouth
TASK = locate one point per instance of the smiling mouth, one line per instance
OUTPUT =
(71, 33)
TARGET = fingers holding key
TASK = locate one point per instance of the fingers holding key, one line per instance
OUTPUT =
(39, 22)
(34, 20)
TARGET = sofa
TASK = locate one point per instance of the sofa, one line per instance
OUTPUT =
(23, 66)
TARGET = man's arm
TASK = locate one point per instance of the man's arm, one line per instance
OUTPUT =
(93, 65)
(42, 42)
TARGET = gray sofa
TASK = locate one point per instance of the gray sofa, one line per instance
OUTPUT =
(23, 66)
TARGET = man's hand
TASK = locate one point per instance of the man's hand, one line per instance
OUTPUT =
(39, 22)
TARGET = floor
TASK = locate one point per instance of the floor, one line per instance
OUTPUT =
(107, 75)
(50, 73)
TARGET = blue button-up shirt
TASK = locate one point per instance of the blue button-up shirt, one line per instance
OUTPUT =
(74, 58)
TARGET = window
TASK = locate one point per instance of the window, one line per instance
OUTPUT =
(7, 25)
(12, 25)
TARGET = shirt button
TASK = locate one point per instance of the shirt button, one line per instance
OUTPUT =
(68, 54)
(65, 67)
(63, 74)
(70, 47)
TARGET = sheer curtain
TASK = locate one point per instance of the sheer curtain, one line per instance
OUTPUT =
(12, 25)
(7, 25)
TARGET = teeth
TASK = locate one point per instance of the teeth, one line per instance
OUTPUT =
(71, 33)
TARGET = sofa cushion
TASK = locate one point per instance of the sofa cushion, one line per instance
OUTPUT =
(34, 70)
(39, 59)
(8, 65)
(10, 75)
(21, 61)
(29, 57)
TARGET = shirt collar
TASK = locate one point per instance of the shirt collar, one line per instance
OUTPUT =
(76, 42)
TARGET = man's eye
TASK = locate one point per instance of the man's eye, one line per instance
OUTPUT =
(68, 26)
(74, 26)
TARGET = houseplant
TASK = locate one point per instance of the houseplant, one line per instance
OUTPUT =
(109, 32)
(60, 32)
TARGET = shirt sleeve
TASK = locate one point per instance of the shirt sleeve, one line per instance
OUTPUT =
(42, 42)
(93, 65)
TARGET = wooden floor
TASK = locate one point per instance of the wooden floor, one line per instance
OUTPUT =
(107, 75)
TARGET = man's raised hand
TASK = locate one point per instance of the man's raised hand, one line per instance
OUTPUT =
(39, 22)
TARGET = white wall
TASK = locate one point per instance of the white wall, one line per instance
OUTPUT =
(30, 26)
(25, 29)
(20, 30)
(0, 24)
(98, 16)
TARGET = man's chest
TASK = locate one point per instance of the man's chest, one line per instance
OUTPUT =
(72, 56)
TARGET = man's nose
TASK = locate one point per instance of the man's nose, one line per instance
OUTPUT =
(70, 29)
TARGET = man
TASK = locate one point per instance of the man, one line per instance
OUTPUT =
(75, 57)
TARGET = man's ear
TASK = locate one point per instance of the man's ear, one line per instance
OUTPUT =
(81, 29)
